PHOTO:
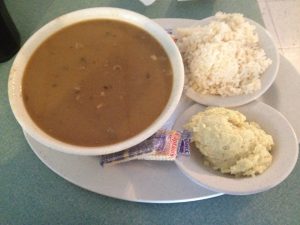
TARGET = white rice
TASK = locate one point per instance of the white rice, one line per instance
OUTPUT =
(224, 57)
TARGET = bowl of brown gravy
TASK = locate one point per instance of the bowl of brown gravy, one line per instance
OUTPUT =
(96, 81)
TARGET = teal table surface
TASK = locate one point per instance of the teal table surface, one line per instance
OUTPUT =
(30, 193)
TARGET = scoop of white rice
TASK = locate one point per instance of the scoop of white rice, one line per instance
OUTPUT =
(224, 57)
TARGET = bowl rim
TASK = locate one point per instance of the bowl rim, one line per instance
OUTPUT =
(141, 21)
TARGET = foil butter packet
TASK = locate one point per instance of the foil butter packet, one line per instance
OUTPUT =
(163, 145)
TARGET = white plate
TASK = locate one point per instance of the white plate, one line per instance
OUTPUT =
(268, 77)
(284, 152)
(158, 182)
(140, 181)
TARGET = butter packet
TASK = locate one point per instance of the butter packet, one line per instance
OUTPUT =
(163, 145)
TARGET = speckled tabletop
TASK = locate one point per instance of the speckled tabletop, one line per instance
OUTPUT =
(30, 193)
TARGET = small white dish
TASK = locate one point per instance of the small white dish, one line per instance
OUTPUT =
(284, 152)
(268, 44)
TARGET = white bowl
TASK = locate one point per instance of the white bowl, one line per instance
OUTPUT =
(267, 78)
(284, 152)
(17, 71)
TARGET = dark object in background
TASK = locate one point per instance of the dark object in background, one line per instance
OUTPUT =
(9, 36)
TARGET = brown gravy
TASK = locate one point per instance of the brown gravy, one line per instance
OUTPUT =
(97, 83)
